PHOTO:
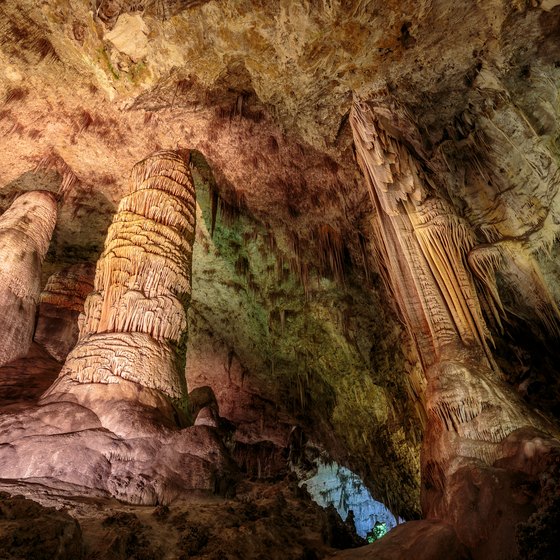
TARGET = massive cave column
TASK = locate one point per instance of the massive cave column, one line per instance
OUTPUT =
(25, 234)
(133, 332)
(113, 421)
(475, 421)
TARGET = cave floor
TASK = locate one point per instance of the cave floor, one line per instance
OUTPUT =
(264, 520)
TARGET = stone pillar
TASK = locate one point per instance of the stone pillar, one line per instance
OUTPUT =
(133, 332)
(475, 421)
(26, 229)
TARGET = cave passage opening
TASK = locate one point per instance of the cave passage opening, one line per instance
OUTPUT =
(336, 485)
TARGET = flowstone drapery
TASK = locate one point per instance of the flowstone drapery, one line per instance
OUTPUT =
(25, 233)
(476, 422)
(110, 421)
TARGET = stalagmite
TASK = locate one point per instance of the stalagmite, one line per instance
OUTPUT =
(25, 233)
(60, 305)
(134, 322)
(475, 421)
(111, 422)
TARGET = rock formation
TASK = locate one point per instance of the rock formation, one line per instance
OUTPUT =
(25, 233)
(476, 423)
(112, 416)
(416, 310)
(133, 330)
(61, 303)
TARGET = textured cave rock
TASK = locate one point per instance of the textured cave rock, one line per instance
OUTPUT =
(421, 540)
(110, 421)
(24, 380)
(28, 530)
(465, 138)
(25, 233)
(476, 422)
(133, 329)
(61, 302)
(273, 517)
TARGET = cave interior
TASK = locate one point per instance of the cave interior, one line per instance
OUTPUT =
(280, 279)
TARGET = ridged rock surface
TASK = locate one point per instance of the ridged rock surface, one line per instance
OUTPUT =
(25, 233)
(466, 139)
(109, 423)
(423, 248)
(61, 303)
(135, 321)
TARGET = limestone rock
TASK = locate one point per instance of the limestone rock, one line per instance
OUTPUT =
(134, 322)
(25, 233)
(23, 381)
(423, 247)
(61, 303)
(66, 444)
(130, 36)
(29, 530)
(109, 424)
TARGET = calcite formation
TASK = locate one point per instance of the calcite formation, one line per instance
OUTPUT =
(61, 303)
(25, 233)
(109, 424)
(473, 417)
(460, 145)
(134, 323)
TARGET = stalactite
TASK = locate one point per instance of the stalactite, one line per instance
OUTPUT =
(134, 322)
(514, 256)
(53, 161)
(331, 247)
(421, 242)
(25, 233)
(475, 421)
(428, 253)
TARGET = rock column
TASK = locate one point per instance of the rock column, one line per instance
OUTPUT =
(476, 423)
(133, 332)
(26, 229)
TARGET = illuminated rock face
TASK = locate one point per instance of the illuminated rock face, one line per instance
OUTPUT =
(61, 303)
(109, 423)
(476, 423)
(134, 323)
(25, 233)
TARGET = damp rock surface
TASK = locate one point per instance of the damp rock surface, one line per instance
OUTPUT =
(271, 519)
(421, 540)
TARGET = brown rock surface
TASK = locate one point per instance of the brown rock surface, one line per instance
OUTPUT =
(458, 348)
(29, 530)
(23, 381)
(25, 233)
(418, 540)
(264, 519)
(60, 305)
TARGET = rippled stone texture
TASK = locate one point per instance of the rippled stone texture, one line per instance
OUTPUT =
(109, 424)
(25, 233)
(134, 323)
(475, 421)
